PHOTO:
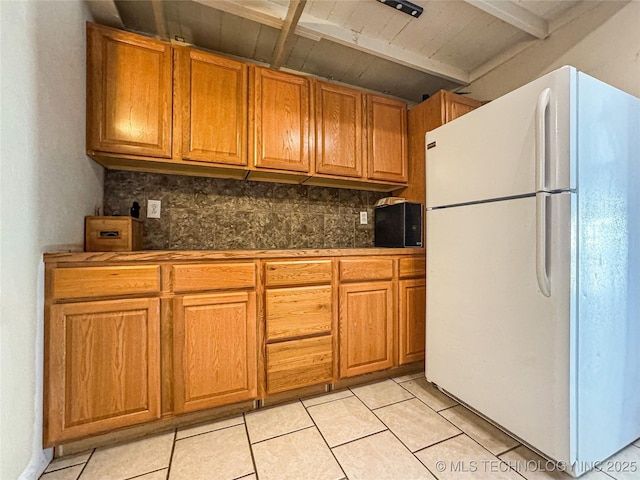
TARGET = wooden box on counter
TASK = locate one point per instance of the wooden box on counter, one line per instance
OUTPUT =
(112, 234)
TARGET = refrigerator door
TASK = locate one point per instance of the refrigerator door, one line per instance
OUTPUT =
(494, 340)
(515, 145)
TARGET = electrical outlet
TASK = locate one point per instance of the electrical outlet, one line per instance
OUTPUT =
(153, 208)
(363, 218)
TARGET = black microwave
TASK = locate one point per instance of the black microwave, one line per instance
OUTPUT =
(399, 225)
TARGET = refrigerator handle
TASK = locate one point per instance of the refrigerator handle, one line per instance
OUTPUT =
(541, 244)
(541, 138)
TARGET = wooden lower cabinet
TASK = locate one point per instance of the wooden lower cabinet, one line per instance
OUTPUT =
(215, 350)
(366, 327)
(299, 363)
(412, 298)
(103, 367)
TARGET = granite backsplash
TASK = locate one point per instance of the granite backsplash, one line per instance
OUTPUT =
(216, 214)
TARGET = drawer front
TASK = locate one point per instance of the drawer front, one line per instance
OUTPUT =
(217, 276)
(352, 270)
(302, 272)
(87, 282)
(412, 267)
(296, 312)
(299, 363)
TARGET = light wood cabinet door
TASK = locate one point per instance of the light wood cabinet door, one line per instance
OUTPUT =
(338, 130)
(214, 350)
(103, 367)
(412, 295)
(129, 93)
(281, 121)
(455, 106)
(214, 97)
(386, 139)
(366, 327)
(299, 363)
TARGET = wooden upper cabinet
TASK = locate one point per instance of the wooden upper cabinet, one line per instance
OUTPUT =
(214, 100)
(103, 367)
(386, 139)
(281, 121)
(338, 130)
(129, 93)
(454, 105)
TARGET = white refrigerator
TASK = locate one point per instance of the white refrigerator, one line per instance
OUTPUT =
(533, 265)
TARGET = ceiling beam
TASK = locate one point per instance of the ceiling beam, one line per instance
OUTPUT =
(283, 45)
(274, 15)
(515, 15)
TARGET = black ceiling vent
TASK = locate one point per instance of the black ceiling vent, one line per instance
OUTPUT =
(404, 6)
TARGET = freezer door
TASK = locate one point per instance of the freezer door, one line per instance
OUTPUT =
(494, 340)
(518, 144)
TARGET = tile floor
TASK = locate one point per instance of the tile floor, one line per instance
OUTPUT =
(398, 429)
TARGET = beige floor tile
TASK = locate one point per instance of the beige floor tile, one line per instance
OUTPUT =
(462, 458)
(345, 420)
(379, 394)
(70, 473)
(302, 454)
(490, 437)
(327, 397)
(379, 457)
(624, 465)
(415, 424)
(533, 467)
(130, 459)
(249, 477)
(429, 394)
(220, 455)
(209, 427)
(157, 475)
(68, 461)
(274, 421)
(406, 378)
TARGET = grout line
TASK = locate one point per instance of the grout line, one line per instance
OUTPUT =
(210, 431)
(394, 403)
(330, 449)
(282, 434)
(147, 473)
(173, 449)
(328, 401)
(86, 463)
(448, 408)
(438, 442)
(360, 438)
(253, 459)
(509, 450)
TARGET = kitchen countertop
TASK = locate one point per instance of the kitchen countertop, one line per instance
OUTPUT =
(198, 255)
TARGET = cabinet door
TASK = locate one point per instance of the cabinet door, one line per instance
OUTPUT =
(366, 327)
(214, 350)
(103, 367)
(299, 363)
(338, 130)
(456, 105)
(281, 121)
(387, 139)
(214, 97)
(413, 294)
(129, 93)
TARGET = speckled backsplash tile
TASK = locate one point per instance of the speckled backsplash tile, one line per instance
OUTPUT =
(214, 214)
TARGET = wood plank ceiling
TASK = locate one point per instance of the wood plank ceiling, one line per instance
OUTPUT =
(358, 42)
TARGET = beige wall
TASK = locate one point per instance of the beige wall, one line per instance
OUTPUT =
(47, 185)
(604, 43)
